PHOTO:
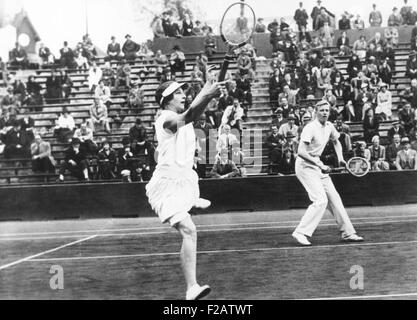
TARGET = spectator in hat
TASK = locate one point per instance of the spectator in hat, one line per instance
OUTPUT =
(360, 46)
(233, 115)
(223, 167)
(10, 102)
(275, 144)
(17, 144)
(130, 48)
(123, 75)
(406, 13)
(42, 159)
(395, 19)
(260, 27)
(197, 30)
(377, 153)
(392, 151)
(64, 129)
(317, 10)
(107, 159)
(407, 157)
(375, 17)
(370, 125)
(384, 101)
(301, 17)
(113, 50)
(287, 163)
(99, 115)
(75, 162)
(177, 60)
(361, 151)
(406, 117)
(289, 126)
(85, 135)
(18, 57)
(278, 117)
(396, 128)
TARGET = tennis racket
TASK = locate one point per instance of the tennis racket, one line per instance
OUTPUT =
(358, 167)
(236, 29)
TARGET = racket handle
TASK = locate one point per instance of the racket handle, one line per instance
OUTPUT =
(228, 58)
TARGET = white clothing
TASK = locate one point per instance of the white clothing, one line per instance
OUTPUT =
(225, 140)
(237, 116)
(67, 122)
(318, 185)
(173, 189)
(94, 77)
(384, 103)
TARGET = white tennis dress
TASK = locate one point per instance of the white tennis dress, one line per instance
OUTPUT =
(173, 189)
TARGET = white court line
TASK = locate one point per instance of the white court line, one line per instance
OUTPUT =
(170, 230)
(396, 295)
(44, 252)
(145, 255)
(198, 226)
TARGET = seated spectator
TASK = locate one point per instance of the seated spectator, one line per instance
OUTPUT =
(411, 70)
(392, 151)
(67, 57)
(19, 90)
(123, 75)
(359, 47)
(113, 50)
(17, 144)
(344, 23)
(109, 75)
(414, 139)
(275, 143)
(67, 85)
(238, 158)
(6, 121)
(94, 76)
(34, 95)
(85, 135)
(289, 126)
(358, 23)
(377, 153)
(384, 100)
(406, 117)
(27, 125)
(45, 55)
(233, 115)
(354, 66)
(343, 44)
(64, 129)
(75, 162)
(10, 102)
(391, 34)
(375, 17)
(396, 129)
(161, 61)
(136, 97)
(18, 57)
(89, 50)
(274, 88)
(53, 88)
(395, 19)
(4, 74)
(223, 167)
(407, 157)
(244, 86)
(130, 48)
(327, 35)
(361, 151)
(42, 159)
(226, 139)
(103, 93)
(127, 164)
(385, 72)
(287, 163)
(370, 125)
(80, 61)
(304, 35)
(210, 44)
(139, 138)
(177, 60)
(260, 27)
(345, 137)
(107, 159)
(99, 116)
(197, 30)
(291, 142)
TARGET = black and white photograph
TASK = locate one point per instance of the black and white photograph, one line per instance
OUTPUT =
(227, 151)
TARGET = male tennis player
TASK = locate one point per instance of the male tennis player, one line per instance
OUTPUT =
(314, 176)
(173, 189)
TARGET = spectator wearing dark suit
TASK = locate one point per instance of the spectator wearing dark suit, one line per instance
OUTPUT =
(343, 44)
(260, 27)
(187, 26)
(130, 48)
(45, 54)
(411, 69)
(274, 142)
(53, 87)
(107, 159)
(344, 23)
(75, 162)
(17, 144)
(301, 17)
(370, 125)
(138, 136)
(392, 151)
(223, 167)
(67, 57)
(18, 57)
(406, 117)
(113, 50)
(273, 26)
(395, 129)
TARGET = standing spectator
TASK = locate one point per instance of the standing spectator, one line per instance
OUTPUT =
(375, 17)
(358, 23)
(103, 93)
(177, 60)
(64, 129)
(85, 135)
(406, 13)
(210, 44)
(42, 159)
(304, 35)
(107, 159)
(322, 18)
(157, 27)
(45, 55)
(18, 57)
(260, 27)
(344, 23)
(315, 13)
(223, 167)
(273, 26)
(75, 162)
(187, 26)
(395, 19)
(384, 100)
(378, 162)
(392, 151)
(301, 17)
(113, 50)
(130, 48)
(407, 157)
(67, 57)
(94, 76)
(370, 125)
(99, 115)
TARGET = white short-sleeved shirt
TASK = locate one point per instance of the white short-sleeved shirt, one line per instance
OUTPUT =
(317, 136)
(175, 150)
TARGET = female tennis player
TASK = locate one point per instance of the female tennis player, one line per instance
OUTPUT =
(314, 176)
(173, 189)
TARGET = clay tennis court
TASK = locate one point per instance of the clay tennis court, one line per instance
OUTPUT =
(245, 255)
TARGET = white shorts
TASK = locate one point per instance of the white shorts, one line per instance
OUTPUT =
(172, 198)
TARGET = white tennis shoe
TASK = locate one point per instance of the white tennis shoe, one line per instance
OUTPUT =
(352, 238)
(197, 292)
(202, 203)
(301, 239)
